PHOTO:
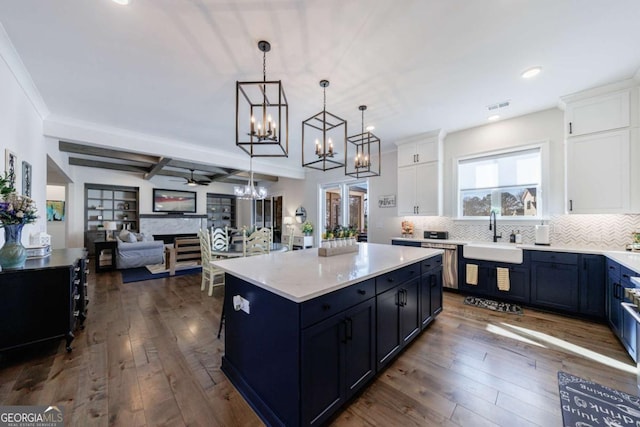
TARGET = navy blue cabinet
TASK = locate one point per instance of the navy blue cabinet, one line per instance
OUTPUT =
(337, 360)
(628, 322)
(614, 297)
(487, 283)
(430, 290)
(592, 286)
(554, 280)
(405, 243)
(397, 311)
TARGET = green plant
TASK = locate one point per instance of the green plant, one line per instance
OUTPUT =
(307, 227)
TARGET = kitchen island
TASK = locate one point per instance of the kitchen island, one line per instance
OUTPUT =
(304, 333)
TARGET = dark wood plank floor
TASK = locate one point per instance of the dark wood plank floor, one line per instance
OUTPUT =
(149, 357)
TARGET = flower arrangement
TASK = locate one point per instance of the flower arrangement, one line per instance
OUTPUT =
(307, 227)
(15, 208)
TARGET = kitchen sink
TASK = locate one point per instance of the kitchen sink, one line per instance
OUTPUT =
(499, 252)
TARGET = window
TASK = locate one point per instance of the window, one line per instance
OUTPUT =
(508, 183)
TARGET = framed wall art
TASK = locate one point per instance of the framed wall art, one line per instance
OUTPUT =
(55, 210)
(26, 179)
(10, 165)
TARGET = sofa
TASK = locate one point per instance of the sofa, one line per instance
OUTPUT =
(133, 250)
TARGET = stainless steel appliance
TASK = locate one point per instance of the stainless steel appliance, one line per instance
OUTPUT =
(449, 260)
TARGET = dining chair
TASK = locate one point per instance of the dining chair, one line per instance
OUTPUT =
(219, 239)
(209, 271)
(258, 243)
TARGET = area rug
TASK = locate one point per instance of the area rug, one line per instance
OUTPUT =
(504, 307)
(585, 404)
(142, 273)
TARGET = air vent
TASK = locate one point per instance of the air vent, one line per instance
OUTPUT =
(498, 105)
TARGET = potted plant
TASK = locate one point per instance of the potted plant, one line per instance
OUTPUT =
(307, 228)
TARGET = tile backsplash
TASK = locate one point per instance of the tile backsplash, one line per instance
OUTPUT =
(611, 232)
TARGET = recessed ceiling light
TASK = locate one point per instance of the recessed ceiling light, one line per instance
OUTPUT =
(493, 118)
(531, 72)
(370, 128)
(122, 2)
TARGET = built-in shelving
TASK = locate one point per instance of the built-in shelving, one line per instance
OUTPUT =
(109, 203)
(221, 210)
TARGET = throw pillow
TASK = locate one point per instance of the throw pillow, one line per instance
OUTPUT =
(139, 236)
(131, 238)
(124, 235)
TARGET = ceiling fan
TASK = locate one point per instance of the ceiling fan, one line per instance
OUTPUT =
(192, 182)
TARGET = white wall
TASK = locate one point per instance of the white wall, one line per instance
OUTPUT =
(21, 132)
(383, 222)
(56, 229)
(523, 130)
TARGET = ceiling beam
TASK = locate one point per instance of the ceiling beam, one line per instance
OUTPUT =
(74, 161)
(156, 168)
(70, 147)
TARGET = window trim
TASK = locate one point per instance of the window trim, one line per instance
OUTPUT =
(545, 181)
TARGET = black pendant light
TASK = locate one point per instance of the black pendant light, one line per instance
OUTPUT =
(363, 153)
(262, 114)
(324, 135)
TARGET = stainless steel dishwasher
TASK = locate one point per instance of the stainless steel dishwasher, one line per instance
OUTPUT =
(449, 260)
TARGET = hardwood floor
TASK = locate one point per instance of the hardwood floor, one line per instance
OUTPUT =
(149, 357)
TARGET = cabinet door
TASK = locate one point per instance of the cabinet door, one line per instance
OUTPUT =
(427, 189)
(629, 333)
(322, 369)
(482, 286)
(592, 285)
(598, 176)
(598, 114)
(407, 191)
(427, 151)
(518, 284)
(387, 326)
(435, 283)
(360, 360)
(409, 310)
(614, 309)
(407, 154)
(554, 285)
(425, 298)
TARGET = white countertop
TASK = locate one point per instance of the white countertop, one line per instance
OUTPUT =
(630, 260)
(303, 275)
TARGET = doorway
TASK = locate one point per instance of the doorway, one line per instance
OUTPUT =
(345, 204)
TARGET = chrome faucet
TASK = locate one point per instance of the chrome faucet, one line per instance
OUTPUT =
(493, 226)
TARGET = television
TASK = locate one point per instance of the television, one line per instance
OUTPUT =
(174, 201)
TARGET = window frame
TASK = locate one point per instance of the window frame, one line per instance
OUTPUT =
(544, 189)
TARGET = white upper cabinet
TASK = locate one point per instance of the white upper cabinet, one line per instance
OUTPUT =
(598, 176)
(418, 152)
(601, 145)
(420, 175)
(598, 113)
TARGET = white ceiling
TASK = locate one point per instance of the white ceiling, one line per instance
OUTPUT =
(168, 68)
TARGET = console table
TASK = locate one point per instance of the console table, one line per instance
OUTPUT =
(46, 299)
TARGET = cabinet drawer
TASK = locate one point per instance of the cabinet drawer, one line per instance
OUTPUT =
(555, 257)
(392, 279)
(626, 274)
(430, 263)
(327, 305)
(613, 269)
